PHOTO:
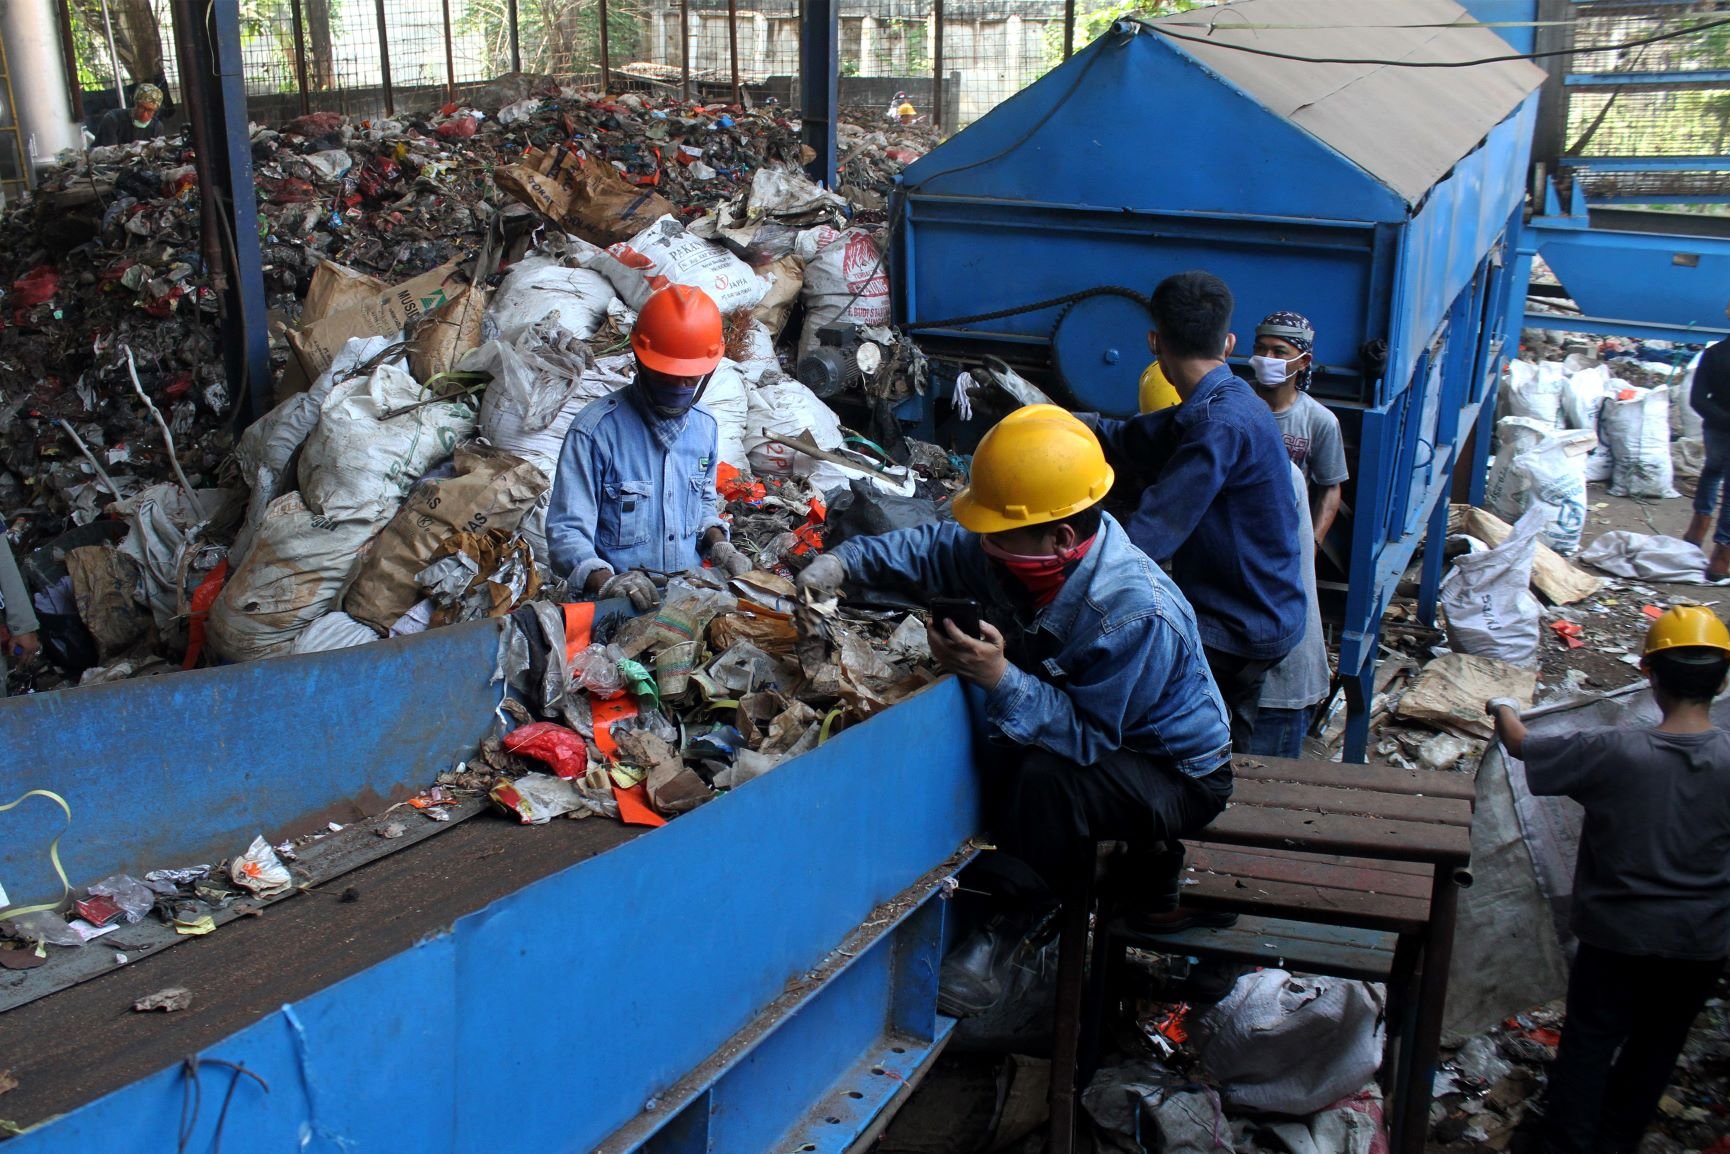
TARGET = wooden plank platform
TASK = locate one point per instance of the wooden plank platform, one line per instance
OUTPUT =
(1384, 779)
(1356, 802)
(1303, 946)
(1335, 833)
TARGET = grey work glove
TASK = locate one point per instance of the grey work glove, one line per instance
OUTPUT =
(1091, 420)
(822, 578)
(725, 557)
(635, 586)
(1495, 703)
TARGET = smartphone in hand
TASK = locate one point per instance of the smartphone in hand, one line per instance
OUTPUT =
(964, 611)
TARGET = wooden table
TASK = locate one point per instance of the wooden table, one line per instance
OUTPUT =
(1405, 818)
(1324, 844)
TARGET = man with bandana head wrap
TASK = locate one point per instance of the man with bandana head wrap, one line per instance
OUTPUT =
(1284, 368)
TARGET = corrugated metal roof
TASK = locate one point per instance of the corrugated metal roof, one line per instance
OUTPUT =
(1405, 126)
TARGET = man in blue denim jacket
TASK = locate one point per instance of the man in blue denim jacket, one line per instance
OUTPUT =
(1215, 495)
(1092, 675)
(635, 491)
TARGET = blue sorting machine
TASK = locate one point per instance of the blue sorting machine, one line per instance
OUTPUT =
(758, 974)
(1383, 202)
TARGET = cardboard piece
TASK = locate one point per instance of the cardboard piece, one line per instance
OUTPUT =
(1450, 692)
(336, 288)
(1559, 580)
(103, 579)
(383, 314)
(442, 337)
(585, 196)
(492, 488)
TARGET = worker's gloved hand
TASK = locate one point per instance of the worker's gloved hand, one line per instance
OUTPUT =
(635, 586)
(1496, 703)
(725, 557)
(1091, 420)
(822, 578)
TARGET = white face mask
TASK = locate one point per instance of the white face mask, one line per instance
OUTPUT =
(1270, 372)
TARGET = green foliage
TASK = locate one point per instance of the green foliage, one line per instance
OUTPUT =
(1094, 21)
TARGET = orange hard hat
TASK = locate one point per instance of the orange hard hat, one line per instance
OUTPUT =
(678, 333)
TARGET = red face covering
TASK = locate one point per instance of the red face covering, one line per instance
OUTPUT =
(1041, 576)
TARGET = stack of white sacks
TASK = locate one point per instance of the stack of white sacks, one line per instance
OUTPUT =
(330, 467)
(1565, 423)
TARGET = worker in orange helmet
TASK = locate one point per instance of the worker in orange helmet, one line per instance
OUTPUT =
(635, 489)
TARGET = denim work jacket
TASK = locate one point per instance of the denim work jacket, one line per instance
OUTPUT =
(621, 501)
(1113, 662)
(1218, 507)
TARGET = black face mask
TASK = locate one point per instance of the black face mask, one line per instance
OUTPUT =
(668, 400)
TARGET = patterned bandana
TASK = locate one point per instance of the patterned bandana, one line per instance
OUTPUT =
(1295, 330)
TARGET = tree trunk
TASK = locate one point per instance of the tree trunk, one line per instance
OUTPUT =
(138, 37)
(321, 57)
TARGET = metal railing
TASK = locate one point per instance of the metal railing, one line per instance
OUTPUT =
(369, 58)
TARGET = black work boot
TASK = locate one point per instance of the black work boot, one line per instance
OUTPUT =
(975, 975)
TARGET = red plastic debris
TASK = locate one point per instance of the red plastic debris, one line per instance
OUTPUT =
(1570, 633)
(458, 128)
(1652, 611)
(315, 124)
(558, 747)
(36, 286)
(288, 190)
(733, 487)
(203, 598)
(98, 909)
(179, 386)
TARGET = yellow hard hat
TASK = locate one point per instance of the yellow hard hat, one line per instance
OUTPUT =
(1687, 627)
(1156, 392)
(906, 109)
(1038, 464)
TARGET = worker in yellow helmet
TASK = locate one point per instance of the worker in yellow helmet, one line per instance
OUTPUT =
(1156, 391)
(1085, 663)
(1651, 904)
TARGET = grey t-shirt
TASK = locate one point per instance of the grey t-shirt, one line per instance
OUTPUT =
(1653, 876)
(1301, 677)
(1312, 437)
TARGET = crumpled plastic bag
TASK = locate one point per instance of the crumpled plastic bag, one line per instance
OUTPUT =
(260, 870)
(553, 744)
(131, 895)
(537, 798)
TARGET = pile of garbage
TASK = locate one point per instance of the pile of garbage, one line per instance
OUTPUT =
(468, 276)
(1491, 1087)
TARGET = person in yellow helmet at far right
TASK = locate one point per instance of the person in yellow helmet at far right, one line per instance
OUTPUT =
(1083, 659)
(1651, 905)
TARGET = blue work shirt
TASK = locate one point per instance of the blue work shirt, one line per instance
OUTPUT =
(1219, 509)
(1113, 662)
(621, 500)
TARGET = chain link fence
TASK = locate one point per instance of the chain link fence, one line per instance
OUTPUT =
(954, 60)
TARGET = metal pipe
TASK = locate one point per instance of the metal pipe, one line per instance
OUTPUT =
(300, 56)
(384, 59)
(1068, 28)
(685, 48)
(69, 56)
(937, 64)
(733, 46)
(114, 56)
(450, 57)
(195, 95)
(516, 37)
(606, 60)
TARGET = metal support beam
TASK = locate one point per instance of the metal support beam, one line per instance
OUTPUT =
(937, 120)
(733, 46)
(69, 52)
(300, 55)
(517, 35)
(384, 58)
(1555, 33)
(606, 58)
(1641, 330)
(1647, 163)
(685, 50)
(820, 84)
(450, 56)
(1068, 28)
(213, 84)
(1648, 79)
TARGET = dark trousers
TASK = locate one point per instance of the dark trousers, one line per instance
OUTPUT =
(1045, 813)
(1239, 680)
(1627, 1019)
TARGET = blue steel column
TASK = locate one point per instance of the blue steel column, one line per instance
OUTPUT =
(216, 91)
(820, 83)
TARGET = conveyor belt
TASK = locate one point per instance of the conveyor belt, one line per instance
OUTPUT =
(74, 1046)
